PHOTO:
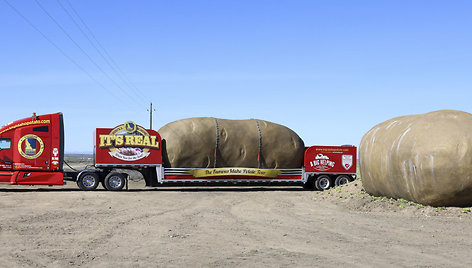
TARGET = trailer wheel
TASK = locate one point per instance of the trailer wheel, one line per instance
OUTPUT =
(115, 181)
(88, 181)
(323, 182)
(341, 179)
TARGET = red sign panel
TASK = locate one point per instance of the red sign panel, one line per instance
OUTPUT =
(127, 145)
(331, 159)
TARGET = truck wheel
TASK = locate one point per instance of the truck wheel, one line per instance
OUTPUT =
(88, 181)
(341, 179)
(115, 181)
(323, 182)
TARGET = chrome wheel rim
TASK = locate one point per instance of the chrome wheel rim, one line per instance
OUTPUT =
(343, 180)
(115, 181)
(88, 181)
(324, 183)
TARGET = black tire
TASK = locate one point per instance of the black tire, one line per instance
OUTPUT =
(341, 179)
(323, 182)
(88, 181)
(115, 181)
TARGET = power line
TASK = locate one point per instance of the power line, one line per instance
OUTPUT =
(84, 52)
(121, 76)
(104, 50)
(60, 50)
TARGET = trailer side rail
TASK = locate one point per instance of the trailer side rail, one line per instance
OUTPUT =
(179, 175)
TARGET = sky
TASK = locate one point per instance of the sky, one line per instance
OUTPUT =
(329, 70)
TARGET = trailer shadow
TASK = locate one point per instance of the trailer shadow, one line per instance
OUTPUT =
(163, 189)
(221, 189)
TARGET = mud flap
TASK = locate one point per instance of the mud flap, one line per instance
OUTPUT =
(150, 176)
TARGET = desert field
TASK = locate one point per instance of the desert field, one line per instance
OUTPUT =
(62, 226)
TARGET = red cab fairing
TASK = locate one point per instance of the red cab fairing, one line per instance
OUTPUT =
(32, 150)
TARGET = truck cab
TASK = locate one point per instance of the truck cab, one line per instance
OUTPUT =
(32, 150)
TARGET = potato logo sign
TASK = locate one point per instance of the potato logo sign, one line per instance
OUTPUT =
(129, 142)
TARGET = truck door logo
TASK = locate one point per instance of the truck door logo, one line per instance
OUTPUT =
(347, 161)
(30, 146)
(322, 163)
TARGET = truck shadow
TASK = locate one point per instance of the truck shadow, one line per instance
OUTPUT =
(12, 190)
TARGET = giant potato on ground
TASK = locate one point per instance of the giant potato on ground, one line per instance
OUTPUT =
(191, 143)
(424, 158)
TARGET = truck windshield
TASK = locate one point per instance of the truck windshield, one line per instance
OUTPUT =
(5, 143)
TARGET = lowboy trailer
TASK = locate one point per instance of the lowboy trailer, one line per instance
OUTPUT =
(32, 153)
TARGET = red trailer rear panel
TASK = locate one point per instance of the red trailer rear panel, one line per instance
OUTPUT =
(330, 159)
(127, 145)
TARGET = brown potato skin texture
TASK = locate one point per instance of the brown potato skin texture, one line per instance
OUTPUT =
(190, 143)
(423, 158)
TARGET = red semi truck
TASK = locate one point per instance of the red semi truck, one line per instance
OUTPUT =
(32, 153)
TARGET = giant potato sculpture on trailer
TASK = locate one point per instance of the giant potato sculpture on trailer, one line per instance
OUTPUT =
(239, 143)
(423, 158)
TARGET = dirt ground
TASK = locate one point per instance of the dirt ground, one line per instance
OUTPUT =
(226, 227)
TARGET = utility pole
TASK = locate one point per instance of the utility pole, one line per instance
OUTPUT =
(150, 116)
